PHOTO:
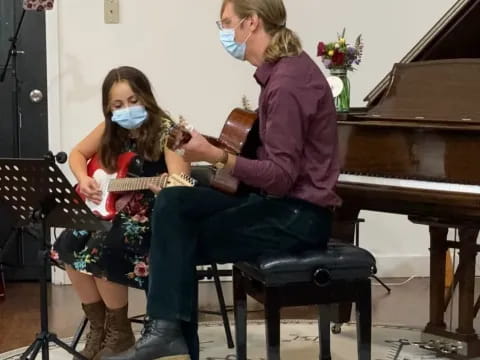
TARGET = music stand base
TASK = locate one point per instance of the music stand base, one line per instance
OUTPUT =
(37, 192)
(42, 342)
(45, 337)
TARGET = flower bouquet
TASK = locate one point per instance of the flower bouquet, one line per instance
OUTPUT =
(339, 57)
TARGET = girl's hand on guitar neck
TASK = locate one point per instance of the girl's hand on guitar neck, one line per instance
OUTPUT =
(90, 188)
(155, 189)
(199, 149)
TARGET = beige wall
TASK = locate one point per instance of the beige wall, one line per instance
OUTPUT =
(176, 44)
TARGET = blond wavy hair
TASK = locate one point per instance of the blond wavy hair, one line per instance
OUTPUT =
(274, 17)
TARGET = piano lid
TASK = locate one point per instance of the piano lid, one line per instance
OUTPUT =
(435, 91)
(454, 36)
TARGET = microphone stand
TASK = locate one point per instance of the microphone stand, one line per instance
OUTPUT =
(12, 55)
(17, 153)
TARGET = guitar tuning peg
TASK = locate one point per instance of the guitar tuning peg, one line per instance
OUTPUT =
(245, 103)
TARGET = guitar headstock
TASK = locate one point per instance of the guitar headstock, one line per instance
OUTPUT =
(246, 103)
(180, 180)
(178, 135)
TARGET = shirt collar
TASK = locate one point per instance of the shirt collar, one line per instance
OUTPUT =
(263, 73)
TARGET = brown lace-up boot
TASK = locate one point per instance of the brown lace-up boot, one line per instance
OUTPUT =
(95, 314)
(118, 333)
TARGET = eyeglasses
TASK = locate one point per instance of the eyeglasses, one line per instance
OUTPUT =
(227, 22)
(219, 24)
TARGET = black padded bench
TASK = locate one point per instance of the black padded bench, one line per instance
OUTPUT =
(341, 273)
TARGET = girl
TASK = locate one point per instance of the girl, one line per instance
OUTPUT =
(118, 258)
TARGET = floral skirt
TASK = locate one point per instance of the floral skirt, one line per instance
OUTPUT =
(119, 255)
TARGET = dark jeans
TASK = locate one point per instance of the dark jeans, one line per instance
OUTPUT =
(201, 226)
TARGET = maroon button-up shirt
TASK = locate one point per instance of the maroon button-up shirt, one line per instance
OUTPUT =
(299, 153)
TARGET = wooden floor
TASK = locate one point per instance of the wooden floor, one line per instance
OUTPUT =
(19, 313)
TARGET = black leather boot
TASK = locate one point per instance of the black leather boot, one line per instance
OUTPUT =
(161, 340)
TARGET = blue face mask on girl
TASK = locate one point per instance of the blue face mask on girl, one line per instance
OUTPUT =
(237, 50)
(131, 117)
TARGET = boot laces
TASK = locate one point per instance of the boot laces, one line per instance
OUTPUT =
(111, 333)
(146, 331)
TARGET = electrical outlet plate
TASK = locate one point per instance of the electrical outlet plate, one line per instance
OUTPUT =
(112, 11)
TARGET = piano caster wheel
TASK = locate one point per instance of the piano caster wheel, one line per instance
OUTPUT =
(336, 328)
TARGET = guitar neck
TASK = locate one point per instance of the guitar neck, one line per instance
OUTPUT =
(134, 184)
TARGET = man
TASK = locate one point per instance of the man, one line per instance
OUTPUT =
(295, 171)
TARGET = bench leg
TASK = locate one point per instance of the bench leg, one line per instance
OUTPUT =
(272, 321)
(79, 332)
(324, 332)
(364, 321)
(340, 313)
(240, 313)
(223, 308)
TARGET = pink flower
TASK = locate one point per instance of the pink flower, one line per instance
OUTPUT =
(320, 48)
(141, 269)
(54, 255)
(140, 218)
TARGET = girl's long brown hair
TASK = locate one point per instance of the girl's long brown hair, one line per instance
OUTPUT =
(151, 135)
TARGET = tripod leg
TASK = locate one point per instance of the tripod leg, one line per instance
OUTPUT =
(36, 350)
(32, 351)
(29, 350)
(45, 350)
(67, 348)
(382, 283)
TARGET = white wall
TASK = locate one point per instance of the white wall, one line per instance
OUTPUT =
(176, 44)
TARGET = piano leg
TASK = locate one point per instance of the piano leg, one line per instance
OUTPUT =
(467, 245)
(438, 250)
(468, 253)
(344, 223)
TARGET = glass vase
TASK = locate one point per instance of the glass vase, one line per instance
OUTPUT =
(342, 101)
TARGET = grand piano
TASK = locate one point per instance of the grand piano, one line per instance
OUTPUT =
(415, 150)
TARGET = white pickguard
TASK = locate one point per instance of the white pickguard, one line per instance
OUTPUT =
(103, 180)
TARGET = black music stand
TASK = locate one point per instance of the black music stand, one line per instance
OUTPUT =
(36, 190)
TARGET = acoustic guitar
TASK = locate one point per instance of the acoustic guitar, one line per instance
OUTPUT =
(239, 136)
(113, 184)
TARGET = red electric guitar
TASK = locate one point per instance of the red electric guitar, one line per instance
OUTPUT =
(112, 185)
(239, 136)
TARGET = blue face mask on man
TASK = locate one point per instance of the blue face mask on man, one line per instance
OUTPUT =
(131, 117)
(237, 50)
